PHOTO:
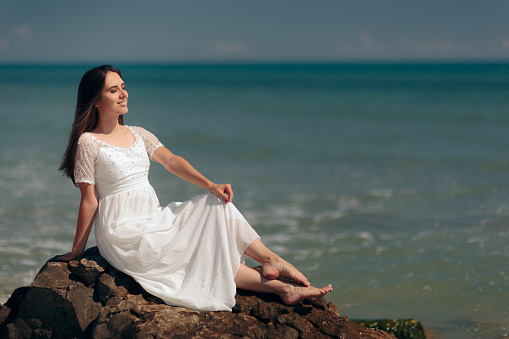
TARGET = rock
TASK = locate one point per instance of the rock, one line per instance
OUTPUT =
(88, 298)
(88, 270)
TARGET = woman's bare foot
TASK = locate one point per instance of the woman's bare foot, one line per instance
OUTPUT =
(294, 293)
(279, 268)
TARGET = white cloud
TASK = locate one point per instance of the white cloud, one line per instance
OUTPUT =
(434, 46)
(505, 43)
(501, 44)
(4, 44)
(437, 46)
(362, 43)
(22, 31)
(232, 47)
(345, 47)
(366, 41)
(22, 36)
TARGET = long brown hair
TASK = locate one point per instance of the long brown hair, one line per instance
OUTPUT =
(86, 115)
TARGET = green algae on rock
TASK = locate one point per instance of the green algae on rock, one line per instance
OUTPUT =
(400, 328)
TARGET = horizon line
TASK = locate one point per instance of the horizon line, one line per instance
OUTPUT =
(256, 62)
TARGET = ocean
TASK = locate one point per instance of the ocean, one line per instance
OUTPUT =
(390, 181)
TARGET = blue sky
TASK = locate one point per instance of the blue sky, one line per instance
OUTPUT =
(114, 31)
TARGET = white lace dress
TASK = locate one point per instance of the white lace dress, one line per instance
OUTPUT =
(185, 253)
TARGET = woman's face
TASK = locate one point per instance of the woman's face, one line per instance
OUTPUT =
(113, 100)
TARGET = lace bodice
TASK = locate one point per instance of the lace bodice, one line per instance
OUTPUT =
(108, 166)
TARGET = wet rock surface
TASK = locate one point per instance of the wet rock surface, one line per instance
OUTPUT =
(88, 298)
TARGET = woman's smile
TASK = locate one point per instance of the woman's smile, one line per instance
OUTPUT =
(113, 100)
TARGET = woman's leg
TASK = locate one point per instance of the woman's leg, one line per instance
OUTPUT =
(273, 265)
(291, 293)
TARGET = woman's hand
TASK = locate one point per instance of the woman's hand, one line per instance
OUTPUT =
(224, 191)
(69, 256)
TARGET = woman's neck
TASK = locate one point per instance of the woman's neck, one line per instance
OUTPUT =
(107, 126)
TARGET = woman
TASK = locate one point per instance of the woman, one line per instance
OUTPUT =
(188, 254)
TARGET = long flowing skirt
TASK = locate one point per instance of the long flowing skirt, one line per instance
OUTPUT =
(186, 253)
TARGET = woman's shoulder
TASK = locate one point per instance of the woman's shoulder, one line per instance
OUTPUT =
(88, 143)
(85, 138)
(150, 140)
(141, 131)
(137, 129)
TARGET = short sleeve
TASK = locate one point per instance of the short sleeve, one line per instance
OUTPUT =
(84, 163)
(150, 140)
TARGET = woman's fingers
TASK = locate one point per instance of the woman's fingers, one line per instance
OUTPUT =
(224, 191)
(229, 192)
(69, 256)
(66, 257)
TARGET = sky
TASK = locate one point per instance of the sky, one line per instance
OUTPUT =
(149, 31)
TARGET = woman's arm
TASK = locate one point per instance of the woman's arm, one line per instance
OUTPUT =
(180, 167)
(86, 216)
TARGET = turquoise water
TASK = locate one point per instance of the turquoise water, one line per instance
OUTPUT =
(388, 181)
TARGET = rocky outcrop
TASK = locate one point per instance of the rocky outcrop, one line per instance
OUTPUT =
(88, 298)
